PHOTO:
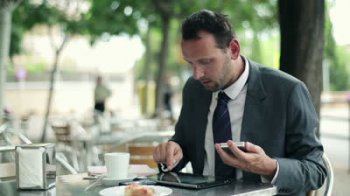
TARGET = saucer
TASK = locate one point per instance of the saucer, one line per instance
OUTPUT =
(112, 181)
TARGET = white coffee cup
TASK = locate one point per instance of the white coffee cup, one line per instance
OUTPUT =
(117, 164)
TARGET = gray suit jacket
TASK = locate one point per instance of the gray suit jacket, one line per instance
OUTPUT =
(278, 116)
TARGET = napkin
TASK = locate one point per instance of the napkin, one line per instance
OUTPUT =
(30, 167)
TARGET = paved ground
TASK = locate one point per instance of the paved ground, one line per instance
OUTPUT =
(337, 152)
(341, 182)
(335, 138)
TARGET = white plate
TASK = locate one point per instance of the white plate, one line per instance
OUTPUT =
(111, 181)
(119, 190)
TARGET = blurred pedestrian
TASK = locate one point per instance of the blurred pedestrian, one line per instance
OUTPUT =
(101, 93)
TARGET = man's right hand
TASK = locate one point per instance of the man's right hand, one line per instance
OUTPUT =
(169, 153)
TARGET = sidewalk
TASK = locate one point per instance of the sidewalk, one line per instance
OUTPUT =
(334, 128)
(341, 182)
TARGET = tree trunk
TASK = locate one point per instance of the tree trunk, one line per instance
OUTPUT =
(147, 70)
(6, 10)
(162, 62)
(53, 74)
(302, 42)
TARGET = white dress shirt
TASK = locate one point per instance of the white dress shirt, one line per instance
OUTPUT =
(237, 92)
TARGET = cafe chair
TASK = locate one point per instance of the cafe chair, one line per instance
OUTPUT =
(327, 187)
(7, 167)
(62, 132)
(64, 163)
(64, 142)
(142, 154)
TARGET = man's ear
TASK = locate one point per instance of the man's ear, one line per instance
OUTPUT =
(235, 48)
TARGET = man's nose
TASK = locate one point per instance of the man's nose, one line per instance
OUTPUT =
(198, 72)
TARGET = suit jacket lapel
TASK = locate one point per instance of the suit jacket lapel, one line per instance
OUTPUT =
(201, 125)
(254, 109)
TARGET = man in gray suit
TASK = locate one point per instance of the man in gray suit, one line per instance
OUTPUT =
(269, 109)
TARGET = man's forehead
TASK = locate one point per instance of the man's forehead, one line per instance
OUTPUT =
(202, 39)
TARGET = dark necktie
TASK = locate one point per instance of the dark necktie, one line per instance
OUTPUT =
(222, 133)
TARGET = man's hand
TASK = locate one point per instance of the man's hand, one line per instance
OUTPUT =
(253, 160)
(169, 153)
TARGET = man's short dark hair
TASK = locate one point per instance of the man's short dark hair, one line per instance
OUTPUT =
(211, 22)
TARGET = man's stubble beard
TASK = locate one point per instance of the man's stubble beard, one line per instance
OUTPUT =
(225, 78)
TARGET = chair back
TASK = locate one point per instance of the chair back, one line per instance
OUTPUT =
(62, 133)
(142, 154)
(8, 167)
(330, 178)
(327, 187)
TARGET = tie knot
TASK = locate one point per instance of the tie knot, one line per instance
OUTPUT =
(223, 97)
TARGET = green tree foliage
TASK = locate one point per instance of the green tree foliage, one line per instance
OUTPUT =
(336, 59)
(339, 71)
(26, 16)
(110, 17)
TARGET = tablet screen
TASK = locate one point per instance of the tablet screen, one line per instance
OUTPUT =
(188, 180)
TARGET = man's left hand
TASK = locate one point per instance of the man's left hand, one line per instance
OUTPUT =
(253, 160)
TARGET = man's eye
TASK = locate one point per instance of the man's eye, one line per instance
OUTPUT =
(205, 62)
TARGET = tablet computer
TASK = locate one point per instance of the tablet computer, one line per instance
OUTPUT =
(186, 180)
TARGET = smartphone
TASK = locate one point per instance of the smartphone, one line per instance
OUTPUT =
(240, 145)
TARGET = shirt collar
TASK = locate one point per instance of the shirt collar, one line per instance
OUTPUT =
(234, 89)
